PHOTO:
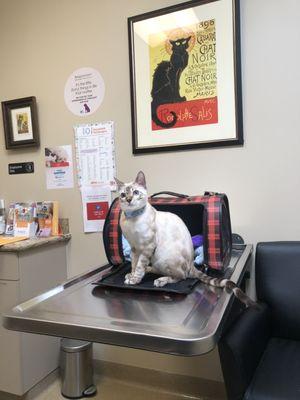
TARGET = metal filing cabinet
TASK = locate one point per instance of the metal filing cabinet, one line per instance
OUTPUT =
(25, 359)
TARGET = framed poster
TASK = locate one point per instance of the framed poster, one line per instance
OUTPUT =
(185, 77)
(20, 123)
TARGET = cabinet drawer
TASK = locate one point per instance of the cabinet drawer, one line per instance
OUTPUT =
(9, 266)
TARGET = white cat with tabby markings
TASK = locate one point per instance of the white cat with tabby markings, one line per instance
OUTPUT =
(160, 242)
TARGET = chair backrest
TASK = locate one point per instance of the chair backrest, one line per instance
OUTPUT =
(277, 269)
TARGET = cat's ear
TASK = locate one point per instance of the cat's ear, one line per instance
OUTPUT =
(140, 179)
(119, 183)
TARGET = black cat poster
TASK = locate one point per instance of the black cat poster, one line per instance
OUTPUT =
(185, 77)
(183, 71)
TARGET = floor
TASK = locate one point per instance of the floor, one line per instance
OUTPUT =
(120, 382)
(110, 389)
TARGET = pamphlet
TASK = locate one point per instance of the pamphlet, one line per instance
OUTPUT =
(25, 219)
(47, 216)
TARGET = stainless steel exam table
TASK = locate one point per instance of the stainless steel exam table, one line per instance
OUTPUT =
(168, 323)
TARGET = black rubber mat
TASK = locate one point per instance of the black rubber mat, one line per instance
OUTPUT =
(117, 276)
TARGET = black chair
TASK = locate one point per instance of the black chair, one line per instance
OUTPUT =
(260, 351)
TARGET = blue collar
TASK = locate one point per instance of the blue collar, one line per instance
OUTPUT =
(134, 213)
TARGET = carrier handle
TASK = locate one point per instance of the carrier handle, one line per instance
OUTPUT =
(210, 193)
(183, 196)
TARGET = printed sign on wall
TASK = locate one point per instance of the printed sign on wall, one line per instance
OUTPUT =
(84, 91)
(95, 204)
(59, 167)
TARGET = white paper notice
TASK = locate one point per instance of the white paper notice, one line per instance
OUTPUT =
(84, 91)
(95, 154)
(59, 167)
(95, 202)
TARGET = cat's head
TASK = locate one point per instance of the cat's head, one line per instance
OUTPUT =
(133, 195)
(180, 44)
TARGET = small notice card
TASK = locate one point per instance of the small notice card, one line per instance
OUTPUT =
(59, 167)
(95, 201)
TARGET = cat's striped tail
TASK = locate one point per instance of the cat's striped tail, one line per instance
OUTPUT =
(224, 283)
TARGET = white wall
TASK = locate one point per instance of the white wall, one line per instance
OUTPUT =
(42, 42)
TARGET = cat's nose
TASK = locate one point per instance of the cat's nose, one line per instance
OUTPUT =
(128, 199)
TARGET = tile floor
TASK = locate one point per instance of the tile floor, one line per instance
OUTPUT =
(120, 382)
(110, 389)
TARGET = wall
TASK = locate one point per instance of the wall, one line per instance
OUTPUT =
(42, 42)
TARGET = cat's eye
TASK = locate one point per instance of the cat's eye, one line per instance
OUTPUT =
(136, 192)
(122, 195)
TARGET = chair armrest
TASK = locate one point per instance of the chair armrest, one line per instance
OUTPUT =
(241, 348)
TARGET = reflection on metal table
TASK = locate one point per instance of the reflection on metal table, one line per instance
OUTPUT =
(157, 321)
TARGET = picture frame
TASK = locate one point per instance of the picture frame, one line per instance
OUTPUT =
(20, 123)
(185, 77)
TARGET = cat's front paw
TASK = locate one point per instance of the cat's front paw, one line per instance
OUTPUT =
(127, 278)
(132, 279)
(160, 282)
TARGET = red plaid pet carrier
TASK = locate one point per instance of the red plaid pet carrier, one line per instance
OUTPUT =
(207, 215)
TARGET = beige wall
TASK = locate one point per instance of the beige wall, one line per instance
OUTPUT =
(42, 42)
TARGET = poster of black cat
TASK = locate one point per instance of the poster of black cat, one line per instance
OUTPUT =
(185, 76)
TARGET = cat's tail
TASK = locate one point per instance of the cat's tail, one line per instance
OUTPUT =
(158, 122)
(224, 283)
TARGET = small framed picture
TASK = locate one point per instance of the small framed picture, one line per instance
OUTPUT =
(185, 75)
(20, 123)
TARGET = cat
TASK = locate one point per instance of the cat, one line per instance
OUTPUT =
(165, 87)
(160, 242)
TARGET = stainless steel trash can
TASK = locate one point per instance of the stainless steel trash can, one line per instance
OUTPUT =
(76, 367)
